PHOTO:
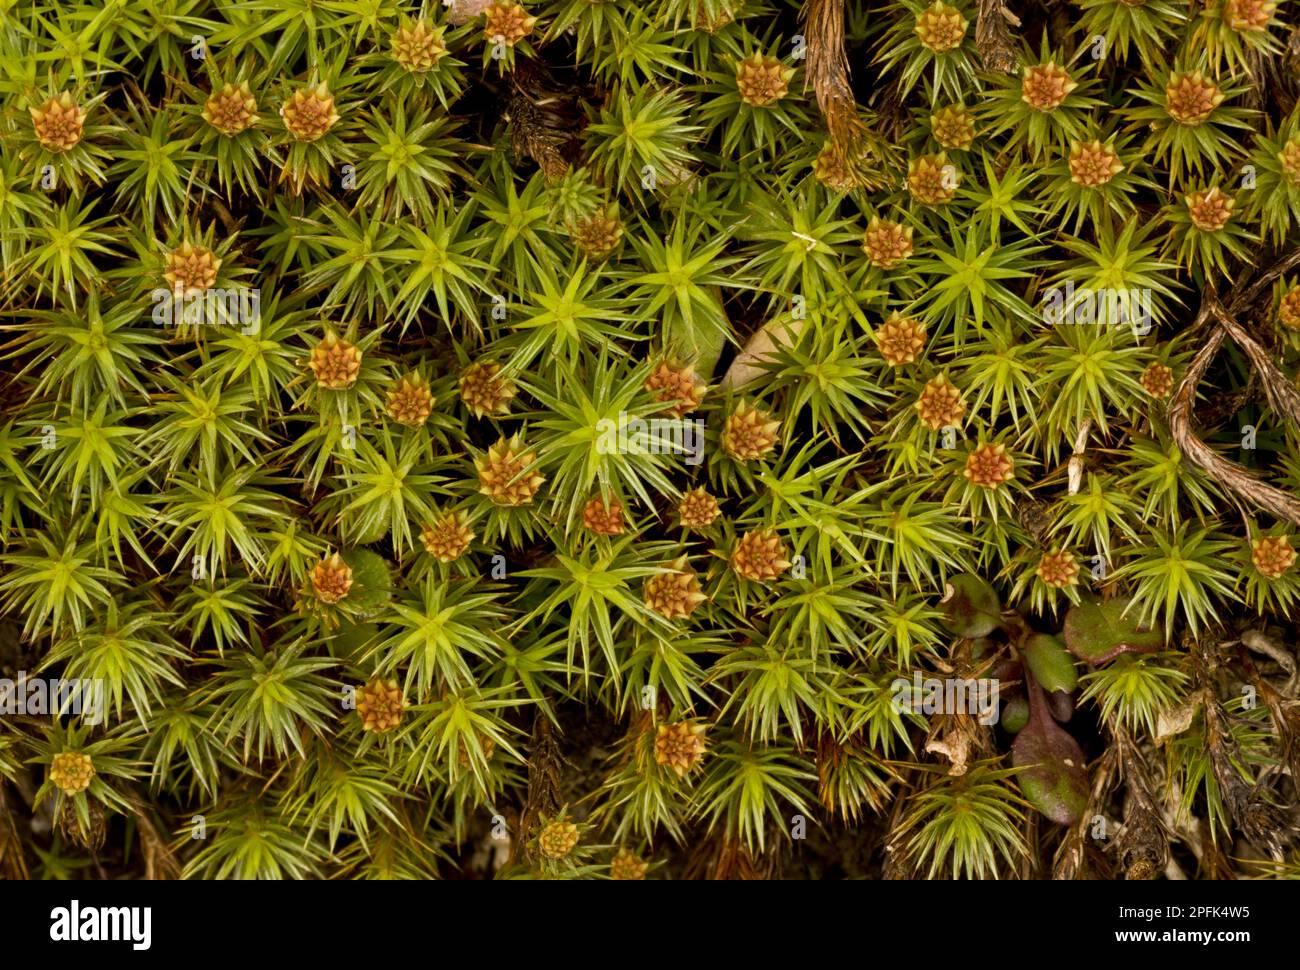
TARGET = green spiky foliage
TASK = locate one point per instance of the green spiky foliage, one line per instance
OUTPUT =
(602, 440)
(1114, 27)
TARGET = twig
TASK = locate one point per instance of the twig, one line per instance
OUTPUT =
(993, 26)
(828, 72)
(1242, 484)
(12, 862)
(1281, 393)
(159, 860)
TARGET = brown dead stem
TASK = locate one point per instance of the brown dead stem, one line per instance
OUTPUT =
(545, 769)
(536, 131)
(1076, 857)
(1142, 847)
(12, 863)
(159, 860)
(828, 72)
(993, 36)
(1281, 393)
(1246, 805)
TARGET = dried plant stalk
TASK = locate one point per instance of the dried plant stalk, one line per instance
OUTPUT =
(1241, 483)
(993, 36)
(12, 863)
(1283, 396)
(536, 131)
(828, 72)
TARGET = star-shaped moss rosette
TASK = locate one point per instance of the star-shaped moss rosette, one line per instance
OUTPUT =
(1095, 181)
(1207, 228)
(313, 117)
(756, 102)
(985, 476)
(1189, 115)
(342, 377)
(226, 114)
(64, 137)
(85, 778)
(931, 44)
(1147, 28)
(508, 30)
(1230, 33)
(1047, 104)
(1268, 562)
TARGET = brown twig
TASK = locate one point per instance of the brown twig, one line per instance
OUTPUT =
(1142, 847)
(1244, 804)
(545, 764)
(828, 72)
(993, 36)
(1282, 395)
(12, 863)
(536, 131)
(1244, 486)
(1073, 856)
(159, 860)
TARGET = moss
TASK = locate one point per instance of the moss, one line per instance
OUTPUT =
(482, 440)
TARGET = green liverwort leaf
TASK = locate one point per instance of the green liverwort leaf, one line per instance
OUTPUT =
(1054, 775)
(1099, 632)
(971, 607)
(1048, 662)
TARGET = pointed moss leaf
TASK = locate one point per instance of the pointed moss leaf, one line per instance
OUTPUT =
(1049, 663)
(1099, 632)
(1054, 776)
(971, 607)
